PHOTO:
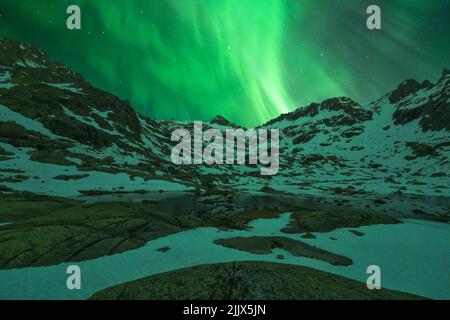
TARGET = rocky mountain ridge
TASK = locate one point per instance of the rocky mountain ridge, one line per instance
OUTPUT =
(61, 136)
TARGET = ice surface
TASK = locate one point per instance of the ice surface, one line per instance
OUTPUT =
(403, 251)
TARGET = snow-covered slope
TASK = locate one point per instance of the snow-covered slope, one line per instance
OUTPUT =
(399, 143)
(61, 136)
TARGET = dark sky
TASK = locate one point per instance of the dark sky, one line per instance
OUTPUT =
(246, 60)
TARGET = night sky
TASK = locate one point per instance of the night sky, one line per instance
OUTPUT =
(248, 60)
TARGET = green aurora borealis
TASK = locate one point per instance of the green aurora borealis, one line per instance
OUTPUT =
(247, 60)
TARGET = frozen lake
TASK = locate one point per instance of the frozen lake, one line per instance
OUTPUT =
(413, 256)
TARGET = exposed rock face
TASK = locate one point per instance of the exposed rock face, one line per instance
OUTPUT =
(265, 245)
(219, 120)
(407, 88)
(427, 102)
(337, 118)
(246, 281)
(62, 100)
(350, 112)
